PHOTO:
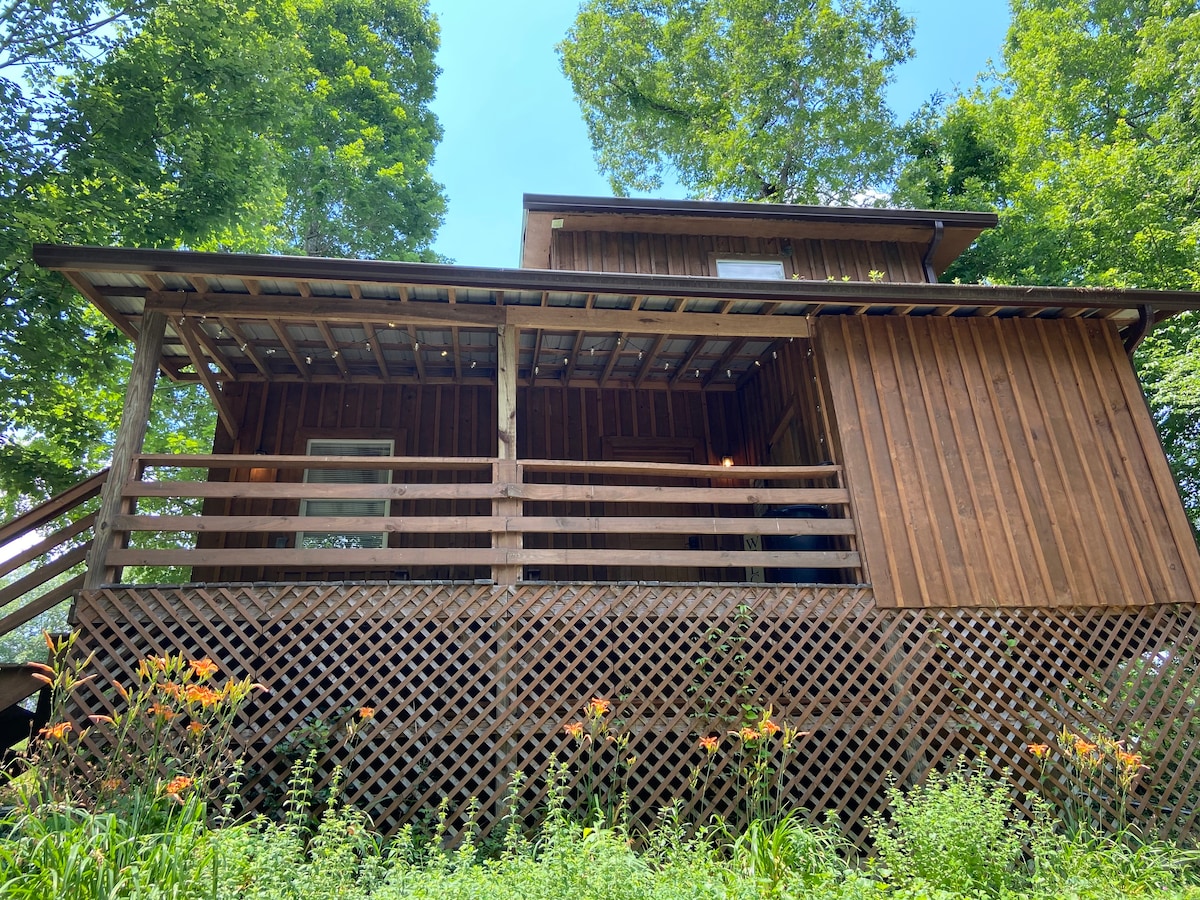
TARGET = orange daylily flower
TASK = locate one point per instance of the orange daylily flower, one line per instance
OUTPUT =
(101, 720)
(769, 727)
(710, 743)
(56, 732)
(1129, 760)
(598, 707)
(366, 712)
(195, 727)
(202, 694)
(203, 668)
(574, 729)
(1039, 751)
(163, 712)
(747, 734)
(177, 785)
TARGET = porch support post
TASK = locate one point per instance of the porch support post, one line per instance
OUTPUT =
(506, 469)
(131, 434)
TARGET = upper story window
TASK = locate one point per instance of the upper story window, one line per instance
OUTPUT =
(751, 269)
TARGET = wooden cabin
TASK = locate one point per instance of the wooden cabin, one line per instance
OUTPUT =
(689, 456)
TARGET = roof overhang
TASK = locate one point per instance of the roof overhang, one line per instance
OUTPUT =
(284, 318)
(546, 213)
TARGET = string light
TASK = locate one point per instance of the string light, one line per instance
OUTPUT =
(536, 369)
(639, 356)
(697, 373)
(472, 364)
(308, 359)
(757, 363)
(335, 354)
(774, 354)
(245, 344)
(728, 373)
(666, 366)
(566, 361)
(391, 324)
(368, 346)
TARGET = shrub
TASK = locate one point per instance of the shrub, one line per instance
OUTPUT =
(957, 832)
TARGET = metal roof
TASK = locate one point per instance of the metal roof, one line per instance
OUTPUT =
(313, 319)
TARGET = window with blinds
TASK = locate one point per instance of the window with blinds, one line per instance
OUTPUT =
(357, 540)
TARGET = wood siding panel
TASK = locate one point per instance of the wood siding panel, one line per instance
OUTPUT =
(679, 254)
(1004, 462)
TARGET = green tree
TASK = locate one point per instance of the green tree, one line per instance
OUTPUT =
(258, 125)
(1087, 144)
(779, 100)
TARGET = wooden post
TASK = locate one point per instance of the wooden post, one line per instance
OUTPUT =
(506, 470)
(130, 435)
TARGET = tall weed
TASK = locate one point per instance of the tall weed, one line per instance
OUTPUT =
(958, 832)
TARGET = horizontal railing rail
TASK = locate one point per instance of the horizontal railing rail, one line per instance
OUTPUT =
(492, 513)
(40, 571)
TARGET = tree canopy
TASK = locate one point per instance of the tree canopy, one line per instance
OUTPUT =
(1086, 141)
(291, 126)
(779, 100)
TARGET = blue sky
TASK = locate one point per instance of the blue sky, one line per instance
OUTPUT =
(512, 126)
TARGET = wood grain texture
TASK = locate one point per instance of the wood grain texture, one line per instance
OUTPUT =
(1004, 462)
(809, 259)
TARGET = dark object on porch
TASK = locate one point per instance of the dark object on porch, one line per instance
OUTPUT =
(804, 574)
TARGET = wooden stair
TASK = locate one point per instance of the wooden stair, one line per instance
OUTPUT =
(48, 568)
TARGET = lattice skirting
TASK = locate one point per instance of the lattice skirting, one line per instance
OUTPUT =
(473, 682)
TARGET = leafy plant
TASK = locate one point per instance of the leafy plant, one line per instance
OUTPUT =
(958, 831)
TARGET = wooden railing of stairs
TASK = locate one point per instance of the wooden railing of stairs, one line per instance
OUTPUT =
(39, 574)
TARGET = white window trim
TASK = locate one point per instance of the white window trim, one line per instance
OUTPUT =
(381, 536)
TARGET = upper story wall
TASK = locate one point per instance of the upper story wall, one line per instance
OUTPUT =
(679, 254)
(673, 237)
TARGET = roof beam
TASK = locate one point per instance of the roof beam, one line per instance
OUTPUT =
(245, 346)
(376, 350)
(187, 335)
(335, 349)
(418, 313)
(280, 329)
(697, 345)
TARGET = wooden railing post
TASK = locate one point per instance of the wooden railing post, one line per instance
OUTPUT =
(506, 471)
(131, 433)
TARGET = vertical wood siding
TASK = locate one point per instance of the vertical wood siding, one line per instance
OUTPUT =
(689, 254)
(1004, 463)
(790, 424)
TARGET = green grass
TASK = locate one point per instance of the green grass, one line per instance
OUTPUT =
(163, 849)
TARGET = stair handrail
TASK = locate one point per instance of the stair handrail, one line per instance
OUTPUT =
(20, 600)
(52, 508)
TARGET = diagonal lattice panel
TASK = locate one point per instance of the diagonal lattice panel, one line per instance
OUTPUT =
(472, 682)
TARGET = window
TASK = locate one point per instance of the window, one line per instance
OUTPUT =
(364, 540)
(751, 269)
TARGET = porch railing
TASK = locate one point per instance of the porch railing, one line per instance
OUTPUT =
(515, 517)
